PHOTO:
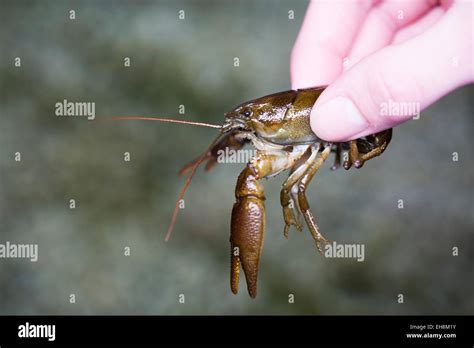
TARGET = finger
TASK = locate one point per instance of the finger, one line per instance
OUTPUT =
(382, 23)
(420, 26)
(325, 38)
(419, 71)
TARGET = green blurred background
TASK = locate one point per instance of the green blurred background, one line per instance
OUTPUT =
(129, 204)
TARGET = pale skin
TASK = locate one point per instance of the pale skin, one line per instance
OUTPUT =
(375, 52)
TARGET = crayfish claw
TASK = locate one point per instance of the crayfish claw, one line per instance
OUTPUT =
(247, 231)
(291, 220)
(246, 241)
(234, 269)
(322, 240)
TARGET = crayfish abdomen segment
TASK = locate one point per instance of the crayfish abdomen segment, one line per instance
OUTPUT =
(247, 230)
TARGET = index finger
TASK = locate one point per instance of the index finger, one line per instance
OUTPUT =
(325, 39)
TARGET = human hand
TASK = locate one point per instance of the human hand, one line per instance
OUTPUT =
(384, 61)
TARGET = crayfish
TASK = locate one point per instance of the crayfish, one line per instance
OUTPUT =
(278, 126)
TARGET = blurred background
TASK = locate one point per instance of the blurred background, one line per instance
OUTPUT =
(123, 204)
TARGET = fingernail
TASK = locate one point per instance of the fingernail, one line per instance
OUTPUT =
(337, 120)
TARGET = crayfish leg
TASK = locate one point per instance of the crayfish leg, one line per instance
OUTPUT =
(288, 194)
(362, 150)
(303, 201)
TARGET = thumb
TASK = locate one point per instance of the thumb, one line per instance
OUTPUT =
(392, 85)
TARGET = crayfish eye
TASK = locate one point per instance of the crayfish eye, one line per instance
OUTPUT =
(247, 113)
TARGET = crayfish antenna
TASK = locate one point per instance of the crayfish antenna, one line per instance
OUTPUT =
(189, 167)
(181, 195)
(193, 168)
(161, 119)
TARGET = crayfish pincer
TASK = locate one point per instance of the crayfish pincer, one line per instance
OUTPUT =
(278, 126)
